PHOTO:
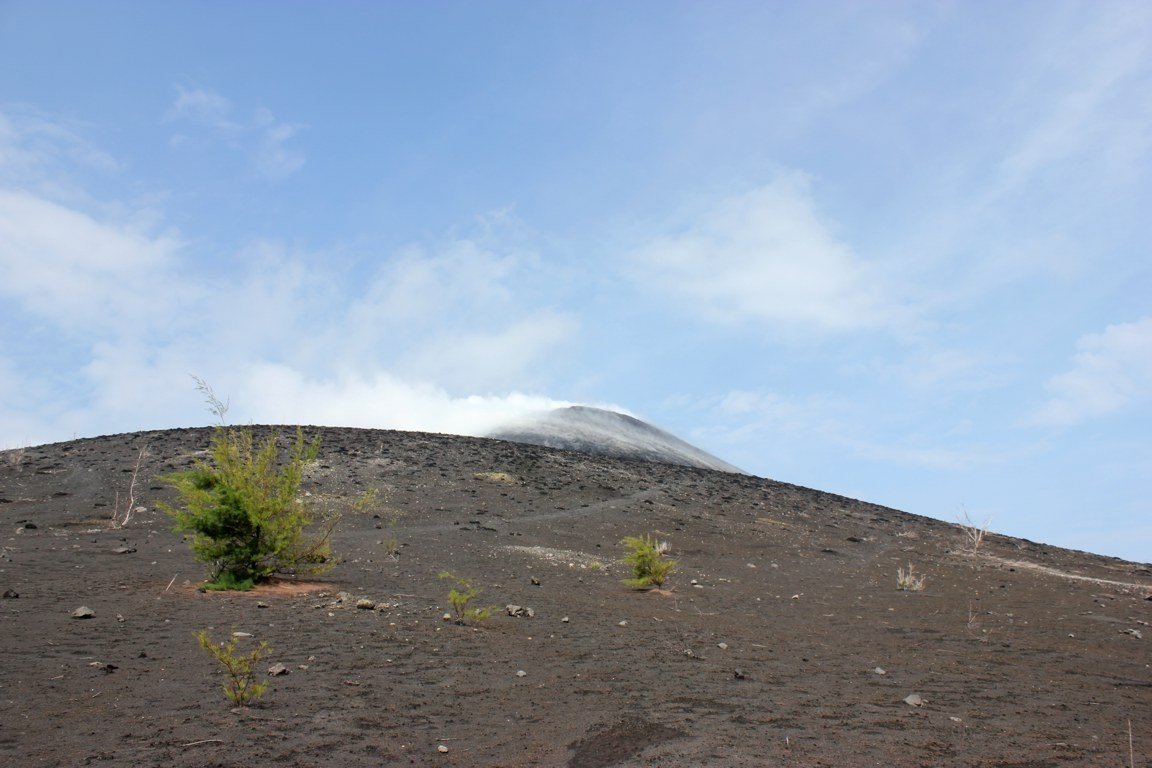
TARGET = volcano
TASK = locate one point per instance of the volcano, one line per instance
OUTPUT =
(785, 636)
(607, 433)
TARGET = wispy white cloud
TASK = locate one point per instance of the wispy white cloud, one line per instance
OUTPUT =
(281, 394)
(1110, 371)
(76, 271)
(286, 332)
(263, 138)
(492, 361)
(1081, 96)
(767, 256)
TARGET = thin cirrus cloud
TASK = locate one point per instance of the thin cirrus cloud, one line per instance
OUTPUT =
(1110, 371)
(766, 256)
(263, 138)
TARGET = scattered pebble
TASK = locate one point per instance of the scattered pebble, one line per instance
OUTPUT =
(520, 673)
(277, 669)
(519, 610)
(11, 594)
(722, 646)
(622, 624)
(366, 604)
(879, 671)
(123, 550)
(1134, 632)
(738, 674)
(83, 612)
(447, 617)
(914, 700)
(442, 749)
(564, 620)
(241, 634)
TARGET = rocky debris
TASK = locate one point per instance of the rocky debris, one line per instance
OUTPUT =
(722, 646)
(83, 612)
(108, 668)
(442, 749)
(521, 673)
(520, 611)
(11, 594)
(1134, 632)
(914, 700)
(535, 581)
(365, 604)
(738, 674)
(123, 550)
(277, 669)
(880, 671)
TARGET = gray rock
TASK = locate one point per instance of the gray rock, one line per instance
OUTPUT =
(914, 700)
(519, 610)
(83, 612)
(277, 669)
(366, 604)
(11, 594)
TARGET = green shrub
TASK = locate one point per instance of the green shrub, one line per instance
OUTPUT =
(241, 686)
(461, 598)
(647, 558)
(243, 512)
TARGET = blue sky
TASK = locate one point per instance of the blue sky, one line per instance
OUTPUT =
(898, 251)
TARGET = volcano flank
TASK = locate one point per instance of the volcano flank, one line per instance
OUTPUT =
(781, 639)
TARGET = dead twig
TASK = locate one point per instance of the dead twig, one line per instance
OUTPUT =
(203, 741)
(131, 503)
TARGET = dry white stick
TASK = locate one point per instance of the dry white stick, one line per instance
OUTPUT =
(171, 583)
(131, 494)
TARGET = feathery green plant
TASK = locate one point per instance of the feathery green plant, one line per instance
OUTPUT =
(648, 559)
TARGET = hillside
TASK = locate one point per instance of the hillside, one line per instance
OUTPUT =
(782, 639)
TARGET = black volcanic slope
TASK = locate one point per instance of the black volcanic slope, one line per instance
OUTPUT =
(607, 433)
(781, 640)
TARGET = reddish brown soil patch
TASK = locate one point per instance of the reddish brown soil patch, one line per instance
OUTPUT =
(793, 648)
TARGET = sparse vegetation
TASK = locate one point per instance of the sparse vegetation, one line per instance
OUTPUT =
(495, 477)
(241, 686)
(648, 559)
(218, 408)
(14, 457)
(973, 533)
(370, 503)
(243, 512)
(908, 581)
(460, 598)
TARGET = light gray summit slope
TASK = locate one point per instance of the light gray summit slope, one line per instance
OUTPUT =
(607, 433)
